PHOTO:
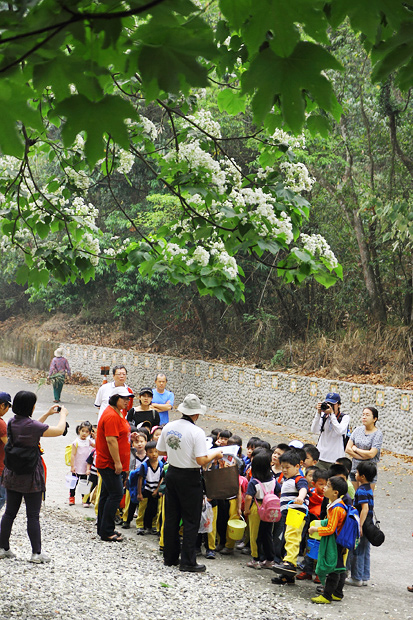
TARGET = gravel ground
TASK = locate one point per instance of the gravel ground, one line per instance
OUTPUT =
(90, 579)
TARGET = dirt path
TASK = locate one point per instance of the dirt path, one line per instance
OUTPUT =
(391, 566)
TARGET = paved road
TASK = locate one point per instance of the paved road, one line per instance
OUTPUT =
(392, 569)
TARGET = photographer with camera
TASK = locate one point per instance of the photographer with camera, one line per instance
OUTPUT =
(332, 426)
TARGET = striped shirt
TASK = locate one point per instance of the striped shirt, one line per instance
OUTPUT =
(290, 489)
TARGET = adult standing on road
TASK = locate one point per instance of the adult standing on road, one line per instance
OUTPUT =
(332, 427)
(24, 475)
(365, 443)
(112, 459)
(119, 380)
(59, 369)
(5, 404)
(163, 399)
(184, 444)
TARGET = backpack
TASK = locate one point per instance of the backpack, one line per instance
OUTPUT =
(68, 454)
(145, 466)
(269, 510)
(349, 536)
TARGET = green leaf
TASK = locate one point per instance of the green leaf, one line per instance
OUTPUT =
(318, 124)
(231, 101)
(22, 274)
(236, 12)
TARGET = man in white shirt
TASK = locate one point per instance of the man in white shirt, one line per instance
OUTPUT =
(119, 380)
(184, 444)
(332, 427)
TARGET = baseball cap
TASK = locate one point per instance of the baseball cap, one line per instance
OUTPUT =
(121, 391)
(333, 398)
(5, 398)
(295, 443)
(145, 390)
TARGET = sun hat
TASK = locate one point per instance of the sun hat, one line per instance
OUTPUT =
(58, 352)
(192, 406)
(122, 392)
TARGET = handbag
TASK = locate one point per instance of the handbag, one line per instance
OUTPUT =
(372, 531)
(20, 459)
(221, 483)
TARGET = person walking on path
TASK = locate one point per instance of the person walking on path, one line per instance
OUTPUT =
(24, 475)
(112, 459)
(163, 399)
(5, 404)
(184, 444)
(59, 368)
(332, 427)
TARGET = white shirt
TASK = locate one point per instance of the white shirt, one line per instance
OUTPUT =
(331, 443)
(183, 442)
(103, 395)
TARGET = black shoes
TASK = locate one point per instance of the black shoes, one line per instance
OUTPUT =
(196, 568)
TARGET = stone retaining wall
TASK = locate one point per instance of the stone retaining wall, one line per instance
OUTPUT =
(254, 394)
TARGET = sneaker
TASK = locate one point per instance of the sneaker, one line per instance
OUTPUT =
(283, 581)
(154, 531)
(6, 554)
(364, 583)
(39, 558)
(353, 582)
(319, 589)
(321, 600)
(240, 545)
(302, 576)
(219, 547)
(210, 555)
(316, 579)
(140, 531)
(125, 525)
(71, 501)
(254, 564)
(336, 598)
(192, 568)
(267, 564)
(246, 551)
(86, 504)
(227, 551)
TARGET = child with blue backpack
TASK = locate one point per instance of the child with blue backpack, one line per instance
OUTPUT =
(332, 555)
(149, 480)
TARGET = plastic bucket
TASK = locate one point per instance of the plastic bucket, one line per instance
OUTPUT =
(295, 516)
(235, 528)
(71, 481)
(84, 487)
(313, 546)
(316, 535)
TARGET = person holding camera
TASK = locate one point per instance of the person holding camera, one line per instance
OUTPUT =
(332, 426)
(24, 474)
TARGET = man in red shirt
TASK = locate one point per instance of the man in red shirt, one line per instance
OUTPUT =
(5, 404)
(112, 459)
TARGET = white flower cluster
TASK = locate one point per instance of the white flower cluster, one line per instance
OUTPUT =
(294, 142)
(79, 179)
(297, 177)
(200, 255)
(213, 255)
(203, 119)
(316, 244)
(126, 161)
(149, 128)
(91, 245)
(202, 162)
(79, 143)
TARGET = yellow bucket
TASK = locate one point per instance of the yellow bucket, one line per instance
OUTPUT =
(295, 517)
(236, 528)
(316, 536)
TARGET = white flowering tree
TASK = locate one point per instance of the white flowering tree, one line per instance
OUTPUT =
(74, 83)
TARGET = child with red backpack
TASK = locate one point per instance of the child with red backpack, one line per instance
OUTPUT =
(261, 488)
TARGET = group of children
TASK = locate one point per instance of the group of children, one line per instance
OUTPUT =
(289, 472)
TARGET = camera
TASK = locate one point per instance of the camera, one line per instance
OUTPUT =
(325, 406)
(58, 409)
(66, 429)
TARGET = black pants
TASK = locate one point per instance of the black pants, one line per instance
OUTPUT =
(278, 538)
(33, 503)
(183, 500)
(264, 540)
(109, 500)
(334, 585)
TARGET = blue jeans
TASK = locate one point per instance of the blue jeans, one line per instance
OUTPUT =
(2, 496)
(360, 565)
(109, 500)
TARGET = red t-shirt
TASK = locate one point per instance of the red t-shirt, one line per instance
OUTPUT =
(111, 424)
(3, 433)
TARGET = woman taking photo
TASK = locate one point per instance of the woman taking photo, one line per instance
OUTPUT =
(365, 443)
(24, 475)
(112, 458)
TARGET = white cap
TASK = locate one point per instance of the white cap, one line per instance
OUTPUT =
(121, 391)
